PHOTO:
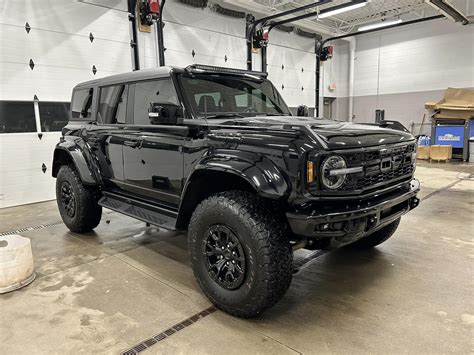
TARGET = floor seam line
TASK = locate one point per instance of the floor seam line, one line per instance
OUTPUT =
(150, 275)
(440, 190)
(270, 337)
(71, 267)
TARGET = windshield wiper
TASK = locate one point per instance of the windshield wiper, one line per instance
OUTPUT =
(224, 115)
(275, 114)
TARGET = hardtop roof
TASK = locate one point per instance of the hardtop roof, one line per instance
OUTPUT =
(163, 72)
(143, 74)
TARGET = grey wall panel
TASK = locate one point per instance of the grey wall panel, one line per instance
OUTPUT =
(404, 107)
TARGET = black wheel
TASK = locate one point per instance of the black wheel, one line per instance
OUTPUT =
(377, 237)
(77, 203)
(240, 253)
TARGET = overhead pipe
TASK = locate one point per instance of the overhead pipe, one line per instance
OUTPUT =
(352, 49)
(252, 24)
(160, 37)
(320, 46)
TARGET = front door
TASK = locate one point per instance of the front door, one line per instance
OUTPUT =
(152, 154)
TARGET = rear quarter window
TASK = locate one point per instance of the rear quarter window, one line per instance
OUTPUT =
(81, 105)
(53, 115)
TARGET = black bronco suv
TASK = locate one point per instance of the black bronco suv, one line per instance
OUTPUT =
(216, 151)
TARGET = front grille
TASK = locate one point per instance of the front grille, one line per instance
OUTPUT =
(382, 166)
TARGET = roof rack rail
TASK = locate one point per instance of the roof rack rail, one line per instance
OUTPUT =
(200, 68)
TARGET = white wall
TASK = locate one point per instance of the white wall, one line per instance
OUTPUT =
(63, 55)
(417, 61)
(336, 70)
(59, 45)
(213, 37)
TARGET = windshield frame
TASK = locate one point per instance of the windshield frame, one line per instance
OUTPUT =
(186, 97)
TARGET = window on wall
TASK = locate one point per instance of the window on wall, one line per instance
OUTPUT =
(53, 115)
(17, 116)
(159, 91)
(113, 104)
(82, 104)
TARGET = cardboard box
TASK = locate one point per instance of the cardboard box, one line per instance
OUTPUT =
(456, 104)
(441, 152)
(423, 152)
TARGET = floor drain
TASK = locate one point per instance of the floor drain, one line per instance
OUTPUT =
(145, 344)
(30, 228)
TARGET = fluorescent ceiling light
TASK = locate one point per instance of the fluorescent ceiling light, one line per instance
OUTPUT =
(378, 25)
(341, 10)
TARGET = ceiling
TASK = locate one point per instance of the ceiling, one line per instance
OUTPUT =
(375, 11)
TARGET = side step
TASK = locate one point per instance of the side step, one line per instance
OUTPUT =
(146, 212)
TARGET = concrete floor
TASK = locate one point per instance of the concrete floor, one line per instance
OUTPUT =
(120, 285)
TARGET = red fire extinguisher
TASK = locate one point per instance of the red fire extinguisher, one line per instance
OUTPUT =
(154, 6)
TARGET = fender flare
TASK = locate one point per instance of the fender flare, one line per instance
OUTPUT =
(80, 156)
(262, 174)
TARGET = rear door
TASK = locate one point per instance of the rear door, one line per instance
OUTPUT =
(152, 154)
(106, 136)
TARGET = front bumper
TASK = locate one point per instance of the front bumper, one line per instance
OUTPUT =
(346, 222)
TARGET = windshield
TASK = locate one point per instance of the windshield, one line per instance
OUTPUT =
(218, 96)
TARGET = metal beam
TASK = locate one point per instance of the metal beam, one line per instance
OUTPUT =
(310, 14)
(159, 32)
(252, 25)
(132, 17)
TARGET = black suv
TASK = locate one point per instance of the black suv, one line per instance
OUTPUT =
(216, 151)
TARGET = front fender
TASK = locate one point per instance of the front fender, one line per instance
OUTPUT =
(77, 151)
(259, 171)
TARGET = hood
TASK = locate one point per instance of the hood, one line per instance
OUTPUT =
(331, 134)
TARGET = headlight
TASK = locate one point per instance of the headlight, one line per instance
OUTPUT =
(329, 178)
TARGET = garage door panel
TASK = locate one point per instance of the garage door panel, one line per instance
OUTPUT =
(82, 18)
(27, 193)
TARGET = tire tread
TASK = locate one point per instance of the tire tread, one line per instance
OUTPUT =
(89, 212)
(273, 246)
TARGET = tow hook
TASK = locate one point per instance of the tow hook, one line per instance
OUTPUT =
(414, 202)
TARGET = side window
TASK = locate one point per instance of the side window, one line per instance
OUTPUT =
(82, 103)
(113, 104)
(159, 91)
(17, 117)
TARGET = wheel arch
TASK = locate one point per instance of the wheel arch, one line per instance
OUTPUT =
(72, 154)
(215, 176)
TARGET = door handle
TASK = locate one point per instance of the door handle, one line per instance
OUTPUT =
(132, 144)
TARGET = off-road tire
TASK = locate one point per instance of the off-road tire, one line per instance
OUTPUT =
(87, 212)
(377, 237)
(268, 253)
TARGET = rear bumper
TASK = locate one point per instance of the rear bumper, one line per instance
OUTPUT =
(349, 222)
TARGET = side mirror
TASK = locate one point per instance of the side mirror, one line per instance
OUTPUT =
(302, 110)
(165, 114)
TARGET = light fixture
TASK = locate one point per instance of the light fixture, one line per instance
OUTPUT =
(378, 25)
(341, 8)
